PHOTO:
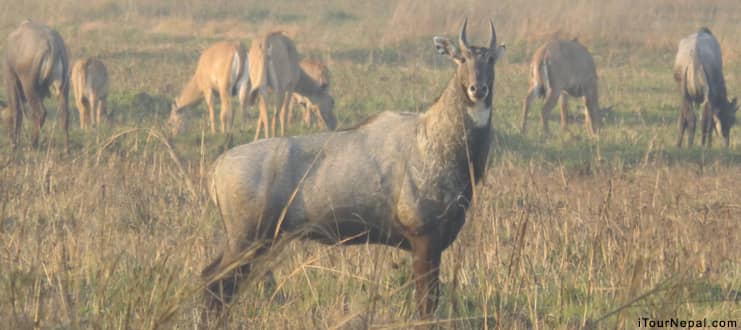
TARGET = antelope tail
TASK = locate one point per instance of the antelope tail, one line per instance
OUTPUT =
(544, 81)
(540, 77)
(46, 62)
(258, 69)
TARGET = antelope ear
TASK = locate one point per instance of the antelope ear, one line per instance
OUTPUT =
(444, 46)
(499, 52)
(734, 105)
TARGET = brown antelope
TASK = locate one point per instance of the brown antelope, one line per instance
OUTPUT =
(560, 68)
(221, 69)
(320, 73)
(274, 65)
(698, 70)
(36, 66)
(90, 84)
(399, 179)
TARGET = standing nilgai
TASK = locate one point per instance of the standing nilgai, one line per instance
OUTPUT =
(399, 179)
(36, 66)
(90, 84)
(222, 69)
(560, 68)
(698, 70)
(274, 66)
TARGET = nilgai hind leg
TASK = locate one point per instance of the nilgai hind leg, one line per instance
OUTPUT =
(564, 107)
(687, 121)
(550, 101)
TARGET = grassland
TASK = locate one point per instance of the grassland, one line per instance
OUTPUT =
(567, 231)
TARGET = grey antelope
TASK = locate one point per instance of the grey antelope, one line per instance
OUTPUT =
(222, 69)
(698, 70)
(90, 84)
(560, 68)
(36, 66)
(399, 179)
(274, 66)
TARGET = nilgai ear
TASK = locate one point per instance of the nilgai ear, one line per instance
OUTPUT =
(734, 105)
(444, 46)
(499, 52)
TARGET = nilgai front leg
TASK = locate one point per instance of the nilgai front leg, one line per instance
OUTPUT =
(426, 257)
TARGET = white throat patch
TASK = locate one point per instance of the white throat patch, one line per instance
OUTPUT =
(479, 114)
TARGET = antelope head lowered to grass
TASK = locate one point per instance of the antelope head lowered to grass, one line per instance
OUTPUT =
(316, 87)
(274, 66)
(36, 66)
(560, 68)
(698, 70)
(222, 69)
(399, 179)
(90, 84)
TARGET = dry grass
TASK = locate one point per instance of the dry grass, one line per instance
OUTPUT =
(567, 232)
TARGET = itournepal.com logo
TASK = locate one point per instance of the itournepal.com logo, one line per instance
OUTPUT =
(645, 322)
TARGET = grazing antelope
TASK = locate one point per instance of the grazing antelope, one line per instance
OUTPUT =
(274, 65)
(36, 66)
(320, 73)
(221, 69)
(399, 179)
(698, 70)
(560, 68)
(90, 84)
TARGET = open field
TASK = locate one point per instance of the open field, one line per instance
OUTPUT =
(567, 231)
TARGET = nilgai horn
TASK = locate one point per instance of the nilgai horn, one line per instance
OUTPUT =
(399, 179)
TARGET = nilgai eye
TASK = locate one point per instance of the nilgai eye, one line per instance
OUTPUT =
(491, 60)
